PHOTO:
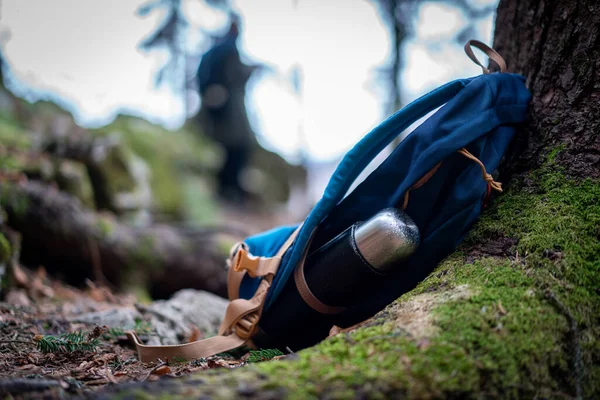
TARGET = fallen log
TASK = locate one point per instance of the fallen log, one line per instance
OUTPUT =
(77, 244)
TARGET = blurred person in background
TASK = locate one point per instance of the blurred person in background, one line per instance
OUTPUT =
(222, 78)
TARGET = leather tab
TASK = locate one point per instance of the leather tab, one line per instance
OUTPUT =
(491, 53)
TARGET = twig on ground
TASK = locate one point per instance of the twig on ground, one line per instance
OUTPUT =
(159, 365)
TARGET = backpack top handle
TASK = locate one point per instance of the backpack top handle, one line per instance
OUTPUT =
(491, 53)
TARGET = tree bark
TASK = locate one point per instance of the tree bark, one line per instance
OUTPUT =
(58, 233)
(556, 46)
(515, 312)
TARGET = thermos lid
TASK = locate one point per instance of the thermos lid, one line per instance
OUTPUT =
(387, 238)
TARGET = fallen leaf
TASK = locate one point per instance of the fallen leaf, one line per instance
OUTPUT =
(335, 330)
(162, 370)
(195, 335)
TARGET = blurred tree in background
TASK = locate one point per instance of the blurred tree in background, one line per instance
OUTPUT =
(400, 17)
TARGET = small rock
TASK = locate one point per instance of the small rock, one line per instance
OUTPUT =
(123, 318)
(177, 317)
(18, 297)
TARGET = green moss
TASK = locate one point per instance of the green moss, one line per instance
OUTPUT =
(144, 254)
(15, 201)
(116, 168)
(198, 202)
(12, 135)
(168, 154)
(72, 178)
(552, 154)
(104, 226)
(5, 250)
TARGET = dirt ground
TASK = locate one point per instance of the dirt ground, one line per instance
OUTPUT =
(38, 306)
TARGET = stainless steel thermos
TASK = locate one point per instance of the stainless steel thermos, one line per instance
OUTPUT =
(337, 273)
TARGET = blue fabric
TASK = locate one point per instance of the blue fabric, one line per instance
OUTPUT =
(265, 244)
(268, 243)
(478, 114)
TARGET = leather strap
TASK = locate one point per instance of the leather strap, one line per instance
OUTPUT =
(234, 281)
(188, 351)
(241, 317)
(424, 179)
(491, 53)
(305, 292)
(486, 177)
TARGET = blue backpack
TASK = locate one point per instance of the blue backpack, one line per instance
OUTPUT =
(438, 174)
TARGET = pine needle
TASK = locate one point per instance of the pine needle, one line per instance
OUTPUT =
(66, 343)
(263, 355)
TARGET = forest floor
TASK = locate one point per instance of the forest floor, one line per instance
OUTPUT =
(42, 309)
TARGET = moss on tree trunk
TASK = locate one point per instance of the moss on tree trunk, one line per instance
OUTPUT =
(514, 313)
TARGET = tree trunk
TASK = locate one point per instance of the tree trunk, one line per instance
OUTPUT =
(514, 313)
(556, 46)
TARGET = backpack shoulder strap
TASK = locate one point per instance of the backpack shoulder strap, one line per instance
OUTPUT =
(241, 317)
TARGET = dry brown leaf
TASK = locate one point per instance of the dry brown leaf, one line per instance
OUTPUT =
(195, 335)
(335, 330)
(162, 370)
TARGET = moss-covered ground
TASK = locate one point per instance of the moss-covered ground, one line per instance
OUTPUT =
(522, 323)
(170, 154)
